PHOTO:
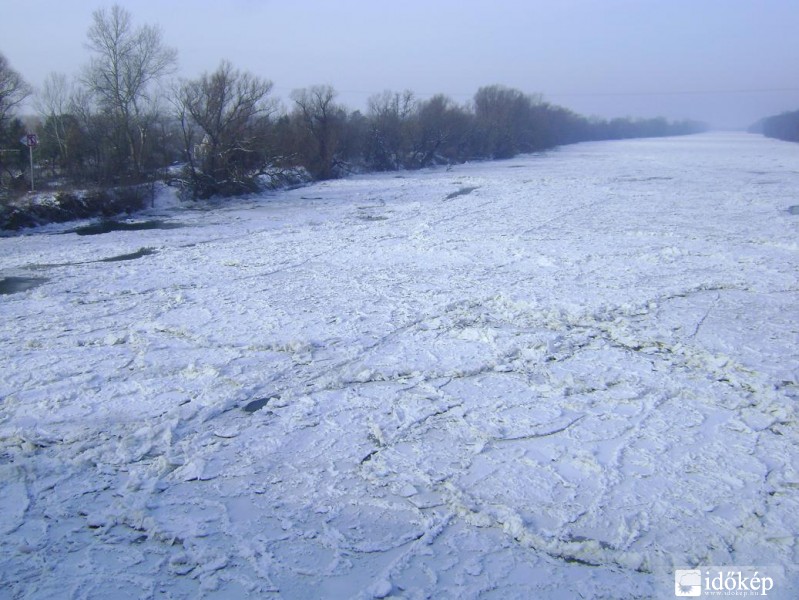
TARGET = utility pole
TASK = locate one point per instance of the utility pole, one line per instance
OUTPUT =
(30, 140)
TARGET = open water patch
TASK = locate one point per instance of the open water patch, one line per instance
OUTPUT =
(464, 191)
(258, 404)
(793, 210)
(652, 178)
(13, 285)
(132, 256)
(109, 226)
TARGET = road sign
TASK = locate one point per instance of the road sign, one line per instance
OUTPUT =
(30, 140)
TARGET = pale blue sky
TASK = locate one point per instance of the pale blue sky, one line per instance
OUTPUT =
(727, 62)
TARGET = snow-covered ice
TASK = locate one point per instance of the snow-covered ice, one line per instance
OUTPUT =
(556, 376)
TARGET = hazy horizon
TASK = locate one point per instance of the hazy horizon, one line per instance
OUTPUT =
(727, 63)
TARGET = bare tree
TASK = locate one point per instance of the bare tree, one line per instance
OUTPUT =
(231, 110)
(126, 64)
(52, 104)
(322, 119)
(441, 129)
(13, 90)
(390, 116)
(96, 133)
(503, 120)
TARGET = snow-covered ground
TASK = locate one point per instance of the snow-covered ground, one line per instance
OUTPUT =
(557, 376)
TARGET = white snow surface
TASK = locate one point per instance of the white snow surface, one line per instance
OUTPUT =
(555, 376)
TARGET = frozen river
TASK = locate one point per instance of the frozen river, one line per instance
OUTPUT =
(557, 376)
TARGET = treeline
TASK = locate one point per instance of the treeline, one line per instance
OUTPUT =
(123, 121)
(782, 127)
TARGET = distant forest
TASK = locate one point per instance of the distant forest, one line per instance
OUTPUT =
(124, 120)
(782, 127)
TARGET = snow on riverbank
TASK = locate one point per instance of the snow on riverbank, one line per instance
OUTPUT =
(552, 376)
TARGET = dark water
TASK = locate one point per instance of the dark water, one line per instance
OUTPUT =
(109, 226)
(255, 405)
(13, 285)
(794, 210)
(131, 256)
(464, 191)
